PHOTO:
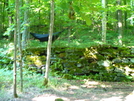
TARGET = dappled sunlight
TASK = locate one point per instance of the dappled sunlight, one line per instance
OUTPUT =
(95, 84)
(77, 43)
(35, 59)
(117, 96)
(112, 99)
(66, 86)
(73, 90)
(74, 87)
(87, 82)
(90, 53)
(90, 84)
(11, 47)
(130, 97)
(98, 42)
(105, 63)
(97, 62)
(93, 93)
(87, 62)
(128, 70)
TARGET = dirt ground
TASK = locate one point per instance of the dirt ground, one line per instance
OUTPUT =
(77, 91)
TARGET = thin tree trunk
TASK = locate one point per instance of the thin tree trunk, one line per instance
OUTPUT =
(15, 66)
(15, 50)
(49, 42)
(120, 23)
(131, 4)
(10, 19)
(4, 14)
(20, 46)
(125, 16)
(104, 22)
(0, 16)
(26, 26)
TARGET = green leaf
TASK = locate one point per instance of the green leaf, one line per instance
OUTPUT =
(94, 1)
(87, 19)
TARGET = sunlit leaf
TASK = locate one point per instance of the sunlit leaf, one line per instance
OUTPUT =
(88, 21)
(94, 1)
(86, 18)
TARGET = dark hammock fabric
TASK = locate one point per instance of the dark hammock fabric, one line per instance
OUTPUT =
(44, 37)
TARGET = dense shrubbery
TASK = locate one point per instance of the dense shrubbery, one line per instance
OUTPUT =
(6, 57)
(105, 63)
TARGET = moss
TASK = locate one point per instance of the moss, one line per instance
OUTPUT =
(62, 55)
(67, 76)
(37, 60)
(59, 99)
(68, 62)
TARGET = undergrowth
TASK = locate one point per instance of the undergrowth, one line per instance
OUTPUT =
(80, 40)
(30, 81)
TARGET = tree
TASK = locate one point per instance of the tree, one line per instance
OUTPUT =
(20, 44)
(26, 25)
(10, 19)
(15, 47)
(120, 22)
(49, 42)
(104, 22)
(125, 16)
(132, 14)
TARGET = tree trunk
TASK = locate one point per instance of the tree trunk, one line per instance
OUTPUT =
(10, 19)
(15, 49)
(131, 20)
(120, 23)
(0, 17)
(15, 66)
(49, 42)
(125, 16)
(104, 22)
(20, 45)
(26, 26)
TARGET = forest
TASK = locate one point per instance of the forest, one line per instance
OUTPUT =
(66, 50)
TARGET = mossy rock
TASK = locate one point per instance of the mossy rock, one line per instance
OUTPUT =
(132, 65)
(68, 62)
(59, 99)
(62, 55)
(67, 76)
(37, 50)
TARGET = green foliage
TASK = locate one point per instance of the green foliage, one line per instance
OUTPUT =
(85, 32)
(87, 18)
(59, 99)
(9, 30)
(29, 80)
(99, 56)
(6, 56)
(36, 44)
(32, 79)
(104, 63)
(5, 81)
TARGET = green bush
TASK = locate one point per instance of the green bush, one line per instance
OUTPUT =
(6, 57)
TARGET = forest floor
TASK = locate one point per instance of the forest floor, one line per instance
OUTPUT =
(76, 90)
